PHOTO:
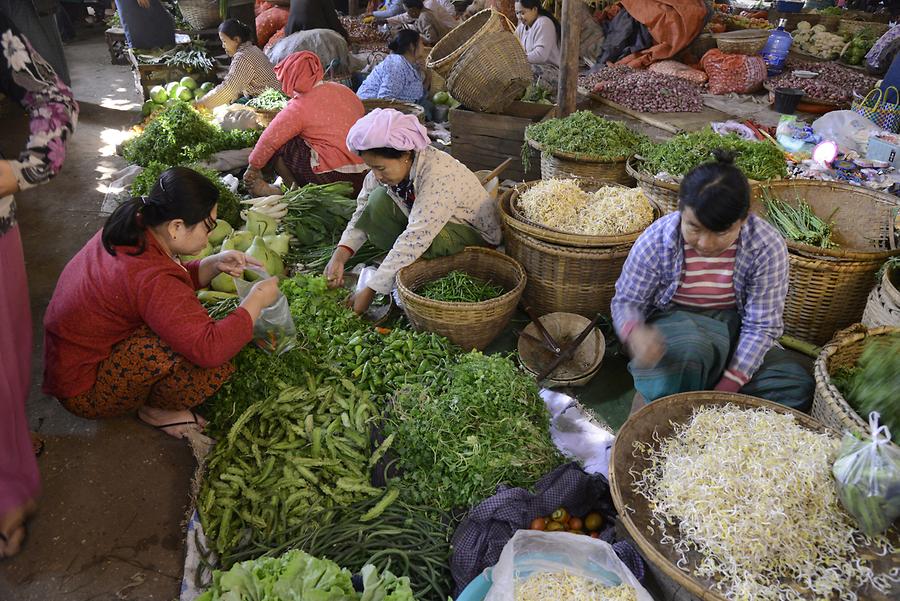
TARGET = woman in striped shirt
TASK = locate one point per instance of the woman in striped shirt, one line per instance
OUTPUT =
(700, 300)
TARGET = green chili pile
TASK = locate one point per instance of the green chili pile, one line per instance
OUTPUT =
(459, 287)
(799, 223)
(586, 133)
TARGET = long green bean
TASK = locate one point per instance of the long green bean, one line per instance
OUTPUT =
(459, 287)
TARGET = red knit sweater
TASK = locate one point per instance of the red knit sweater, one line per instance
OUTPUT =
(101, 300)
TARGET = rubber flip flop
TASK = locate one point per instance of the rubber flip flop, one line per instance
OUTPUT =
(163, 427)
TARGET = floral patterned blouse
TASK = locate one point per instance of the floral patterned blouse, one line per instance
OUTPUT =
(395, 78)
(53, 113)
(445, 192)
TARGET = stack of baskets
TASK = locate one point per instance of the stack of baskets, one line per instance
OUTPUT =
(563, 165)
(407, 108)
(661, 193)
(483, 61)
(883, 306)
(200, 14)
(829, 287)
(572, 273)
(469, 325)
(829, 405)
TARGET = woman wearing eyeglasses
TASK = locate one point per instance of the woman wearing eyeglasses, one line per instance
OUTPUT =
(125, 332)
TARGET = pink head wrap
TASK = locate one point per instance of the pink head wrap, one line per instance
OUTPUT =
(299, 72)
(387, 128)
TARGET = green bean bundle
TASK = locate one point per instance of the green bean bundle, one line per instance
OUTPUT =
(459, 287)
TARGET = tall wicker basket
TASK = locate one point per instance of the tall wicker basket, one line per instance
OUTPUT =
(453, 45)
(470, 325)
(663, 194)
(829, 405)
(564, 165)
(829, 287)
(491, 74)
(200, 14)
(883, 306)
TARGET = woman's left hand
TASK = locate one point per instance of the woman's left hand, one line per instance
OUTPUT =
(360, 301)
(233, 262)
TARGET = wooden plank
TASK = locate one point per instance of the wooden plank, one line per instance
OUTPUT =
(568, 72)
(500, 146)
(674, 123)
(477, 158)
(500, 126)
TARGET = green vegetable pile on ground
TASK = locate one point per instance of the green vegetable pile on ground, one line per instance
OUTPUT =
(799, 223)
(481, 425)
(180, 135)
(269, 100)
(459, 287)
(229, 207)
(873, 383)
(585, 133)
(677, 156)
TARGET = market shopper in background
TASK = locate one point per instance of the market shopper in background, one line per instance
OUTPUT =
(388, 9)
(305, 142)
(29, 80)
(147, 23)
(124, 330)
(540, 34)
(251, 72)
(420, 19)
(314, 14)
(400, 75)
(417, 201)
(700, 300)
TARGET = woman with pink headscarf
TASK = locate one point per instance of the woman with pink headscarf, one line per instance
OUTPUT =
(305, 142)
(417, 201)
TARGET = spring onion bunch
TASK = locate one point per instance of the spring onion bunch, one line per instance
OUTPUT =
(799, 223)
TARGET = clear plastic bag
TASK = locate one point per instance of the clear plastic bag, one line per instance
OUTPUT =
(867, 473)
(531, 552)
(274, 331)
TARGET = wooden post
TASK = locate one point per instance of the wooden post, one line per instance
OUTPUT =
(568, 64)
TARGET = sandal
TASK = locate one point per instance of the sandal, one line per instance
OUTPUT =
(164, 427)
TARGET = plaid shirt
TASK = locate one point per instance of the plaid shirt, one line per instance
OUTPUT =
(653, 270)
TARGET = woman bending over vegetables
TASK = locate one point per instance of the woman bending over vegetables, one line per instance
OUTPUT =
(125, 331)
(417, 201)
(305, 142)
(539, 32)
(700, 300)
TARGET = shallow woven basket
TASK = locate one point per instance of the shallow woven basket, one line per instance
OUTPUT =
(265, 117)
(554, 236)
(451, 47)
(564, 327)
(491, 74)
(883, 306)
(562, 165)
(469, 325)
(200, 14)
(746, 41)
(657, 419)
(564, 278)
(829, 405)
(829, 287)
(407, 108)
(849, 27)
(663, 194)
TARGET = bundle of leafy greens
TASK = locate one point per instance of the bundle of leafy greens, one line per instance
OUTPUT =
(677, 156)
(586, 133)
(229, 207)
(872, 384)
(179, 135)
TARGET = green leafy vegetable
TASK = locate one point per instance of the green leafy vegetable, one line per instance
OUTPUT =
(586, 133)
(269, 100)
(872, 384)
(459, 287)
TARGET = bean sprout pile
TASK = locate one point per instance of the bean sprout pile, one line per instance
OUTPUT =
(750, 493)
(550, 586)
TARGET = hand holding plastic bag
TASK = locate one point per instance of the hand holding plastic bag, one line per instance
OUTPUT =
(868, 478)
(274, 331)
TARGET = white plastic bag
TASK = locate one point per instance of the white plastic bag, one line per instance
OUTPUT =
(849, 130)
(531, 551)
(274, 331)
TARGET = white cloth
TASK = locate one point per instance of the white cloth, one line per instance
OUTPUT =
(540, 41)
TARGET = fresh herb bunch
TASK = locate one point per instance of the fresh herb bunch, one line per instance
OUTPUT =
(758, 160)
(269, 100)
(229, 205)
(481, 425)
(537, 94)
(192, 59)
(459, 287)
(873, 383)
(586, 133)
(799, 223)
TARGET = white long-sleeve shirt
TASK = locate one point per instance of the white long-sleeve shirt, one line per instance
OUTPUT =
(446, 192)
(540, 41)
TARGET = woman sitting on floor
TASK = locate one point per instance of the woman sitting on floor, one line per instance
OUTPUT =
(700, 300)
(305, 142)
(399, 76)
(539, 32)
(419, 18)
(124, 330)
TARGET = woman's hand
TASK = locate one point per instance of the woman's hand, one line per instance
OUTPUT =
(334, 271)
(234, 262)
(262, 295)
(8, 182)
(646, 345)
(361, 301)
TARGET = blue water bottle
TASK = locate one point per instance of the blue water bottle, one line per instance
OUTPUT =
(777, 47)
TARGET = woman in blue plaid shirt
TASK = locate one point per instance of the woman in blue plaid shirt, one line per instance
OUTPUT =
(700, 300)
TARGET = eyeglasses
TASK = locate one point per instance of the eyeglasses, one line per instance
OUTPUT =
(210, 224)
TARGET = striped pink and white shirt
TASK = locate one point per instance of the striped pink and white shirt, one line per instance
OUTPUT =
(707, 282)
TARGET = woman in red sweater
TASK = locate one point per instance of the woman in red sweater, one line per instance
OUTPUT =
(125, 331)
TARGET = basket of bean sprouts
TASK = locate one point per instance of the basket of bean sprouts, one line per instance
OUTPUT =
(733, 497)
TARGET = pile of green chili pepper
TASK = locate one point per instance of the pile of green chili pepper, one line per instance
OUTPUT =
(459, 287)
(799, 223)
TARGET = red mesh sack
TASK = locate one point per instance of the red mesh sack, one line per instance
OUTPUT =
(733, 72)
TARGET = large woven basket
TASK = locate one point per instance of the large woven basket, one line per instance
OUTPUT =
(883, 306)
(829, 287)
(407, 108)
(564, 278)
(554, 236)
(562, 165)
(200, 14)
(451, 47)
(849, 27)
(661, 193)
(829, 405)
(470, 325)
(745, 41)
(657, 420)
(491, 74)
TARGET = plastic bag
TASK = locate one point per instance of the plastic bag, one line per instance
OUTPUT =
(849, 130)
(733, 72)
(676, 69)
(274, 331)
(531, 552)
(867, 473)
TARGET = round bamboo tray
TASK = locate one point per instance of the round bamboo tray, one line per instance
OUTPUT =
(883, 306)
(491, 74)
(469, 325)
(657, 419)
(564, 327)
(452, 46)
(564, 165)
(661, 193)
(554, 236)
(407, 108)
(745, 41)
(829, 287)
(829, 405)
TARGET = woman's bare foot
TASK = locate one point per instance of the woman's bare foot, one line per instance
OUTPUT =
(12, 529)
(173, 423)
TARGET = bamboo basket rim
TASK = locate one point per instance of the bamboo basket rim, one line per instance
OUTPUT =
(517, 220)
(642, 176)
(490, 254)
(569, 252)
(450, 57)
(578, 157)
(835, 255)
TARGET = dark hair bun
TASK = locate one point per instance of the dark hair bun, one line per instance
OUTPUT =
(724, 157)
